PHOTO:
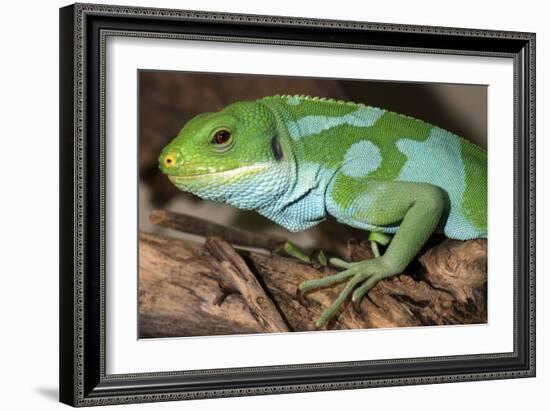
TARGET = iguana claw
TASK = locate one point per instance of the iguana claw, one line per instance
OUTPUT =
(357, 307)
(361, 278)
(301, 298)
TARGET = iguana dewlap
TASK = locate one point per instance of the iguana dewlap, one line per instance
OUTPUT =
(297, 159)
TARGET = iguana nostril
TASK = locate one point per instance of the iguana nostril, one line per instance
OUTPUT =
(170, 160)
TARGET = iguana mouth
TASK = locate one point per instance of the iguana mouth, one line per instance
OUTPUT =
(225, 173)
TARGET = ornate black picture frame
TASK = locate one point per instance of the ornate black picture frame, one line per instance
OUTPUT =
(83, 30)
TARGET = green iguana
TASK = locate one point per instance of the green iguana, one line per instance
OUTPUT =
(297, 159)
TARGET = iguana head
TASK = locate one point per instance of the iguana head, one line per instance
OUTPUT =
(234, 155)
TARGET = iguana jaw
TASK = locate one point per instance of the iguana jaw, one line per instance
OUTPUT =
(223, 175)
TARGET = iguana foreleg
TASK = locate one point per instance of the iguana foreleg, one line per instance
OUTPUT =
(418, 206)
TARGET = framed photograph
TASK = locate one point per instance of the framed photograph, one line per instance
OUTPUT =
(258, 204)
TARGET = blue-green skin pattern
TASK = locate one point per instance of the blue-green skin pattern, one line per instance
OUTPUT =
(363, 165)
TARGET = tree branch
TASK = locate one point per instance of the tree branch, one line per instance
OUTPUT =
(191, 289)
(205, 228)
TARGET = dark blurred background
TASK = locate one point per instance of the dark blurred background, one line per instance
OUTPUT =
(167, 100)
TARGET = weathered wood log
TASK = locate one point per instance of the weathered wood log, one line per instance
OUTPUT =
(194, 225)
(188, 289)
(241, 281)
(282, 276)
(401, 301)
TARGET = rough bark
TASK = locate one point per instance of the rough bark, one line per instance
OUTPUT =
(187, 289)
(191, 289)
(194, 225)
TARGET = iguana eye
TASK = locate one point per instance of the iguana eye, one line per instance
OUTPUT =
(221, 137)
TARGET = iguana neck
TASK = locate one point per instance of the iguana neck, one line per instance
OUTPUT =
(308, 180)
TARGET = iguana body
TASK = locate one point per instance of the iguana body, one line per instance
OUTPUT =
(297, 159)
